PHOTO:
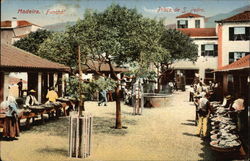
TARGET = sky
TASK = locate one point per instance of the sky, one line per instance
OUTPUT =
(46, 12)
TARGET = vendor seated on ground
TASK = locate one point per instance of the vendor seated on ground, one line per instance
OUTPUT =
(10, 126)
(51, 95)
(31, 99)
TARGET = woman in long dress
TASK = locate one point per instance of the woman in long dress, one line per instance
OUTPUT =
(10, 125)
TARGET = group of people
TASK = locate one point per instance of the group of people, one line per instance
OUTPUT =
(199, 93)
(12, 111)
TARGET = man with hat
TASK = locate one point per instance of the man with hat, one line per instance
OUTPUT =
(31, 99)
(203, 113)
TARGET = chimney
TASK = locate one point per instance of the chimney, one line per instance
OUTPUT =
(14, 22)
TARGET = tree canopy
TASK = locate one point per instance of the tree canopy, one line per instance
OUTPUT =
(118, 36)
(32, 42)
(59, 48)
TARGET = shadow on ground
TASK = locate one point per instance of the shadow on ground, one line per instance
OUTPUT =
(189, 124)
(58, 127)
(188, 134)
(191, 120)
(106, 126)
(207, 154)
(49, 150)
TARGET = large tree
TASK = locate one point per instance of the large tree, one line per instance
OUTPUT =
(117, 36)
(178, 46)
(33, 40)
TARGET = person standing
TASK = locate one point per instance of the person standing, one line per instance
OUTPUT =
(11, 126)
(199, 88)
(203, 114)
(103, 98)
(137, 93)
(20, 88)
(191, 94)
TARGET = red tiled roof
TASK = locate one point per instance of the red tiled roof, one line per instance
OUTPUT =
(241, 17)
(20, 23)
(5, 23)
(187, 15)
(12, 57)
(237, 65)
(198, 32)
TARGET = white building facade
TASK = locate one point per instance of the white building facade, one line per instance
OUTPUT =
(207, 41)
(14, 30)
(233, 38)
(190, 20)
(206, 61)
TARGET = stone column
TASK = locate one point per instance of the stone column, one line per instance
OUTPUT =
(202, 74)
(55, 81)
(225, 83)
(65, 76)
(6, 85)
(39, 87)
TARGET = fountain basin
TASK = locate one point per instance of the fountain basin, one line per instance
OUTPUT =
(155, 100)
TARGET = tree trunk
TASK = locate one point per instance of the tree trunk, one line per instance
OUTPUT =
(118, 121)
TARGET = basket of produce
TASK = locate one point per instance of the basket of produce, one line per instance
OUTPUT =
(227, 145)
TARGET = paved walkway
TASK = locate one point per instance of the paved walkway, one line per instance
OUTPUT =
(159, 134)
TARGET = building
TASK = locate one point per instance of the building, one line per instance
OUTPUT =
(233, 38)
(94, 69)
(206, 39)
(190, 20)
(235, 78)
(12, 31)
(42, 73)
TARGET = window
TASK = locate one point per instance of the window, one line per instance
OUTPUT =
(239, 33)
(234, 56)
(239, 30)
(182, 24)
(209, 50)
(197, 23)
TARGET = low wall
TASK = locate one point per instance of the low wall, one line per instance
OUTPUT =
(155, 100)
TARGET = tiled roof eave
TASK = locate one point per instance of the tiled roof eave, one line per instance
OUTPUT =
(226, 70)
(204, 36)
(221, 21)
(41, 68)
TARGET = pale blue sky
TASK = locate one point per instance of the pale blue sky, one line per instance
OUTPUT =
(74, 9)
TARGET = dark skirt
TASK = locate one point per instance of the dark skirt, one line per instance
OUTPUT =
(10, 127)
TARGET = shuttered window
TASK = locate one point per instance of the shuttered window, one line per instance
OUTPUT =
(234, 56)
(197, 23)
(239, 33)
(182, 24)
(209, 50)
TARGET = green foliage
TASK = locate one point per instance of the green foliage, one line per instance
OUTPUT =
(60, 48)
(76, 87)
(32, 42)
(105, 83)
(121, 33)
(179, 46)
(139, 71)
